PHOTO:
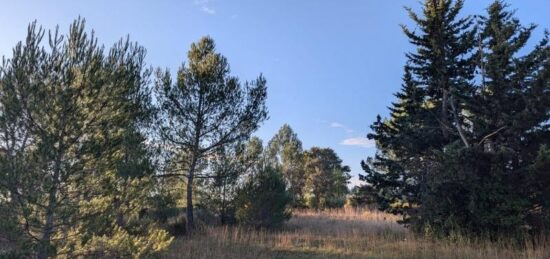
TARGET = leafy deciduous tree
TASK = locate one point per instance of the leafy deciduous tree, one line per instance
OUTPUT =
(285, 151)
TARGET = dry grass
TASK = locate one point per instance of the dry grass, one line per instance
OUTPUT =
(344, 233)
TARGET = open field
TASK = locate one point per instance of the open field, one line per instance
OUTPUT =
(338, 234)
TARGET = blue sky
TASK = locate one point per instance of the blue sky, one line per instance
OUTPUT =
(331, 66)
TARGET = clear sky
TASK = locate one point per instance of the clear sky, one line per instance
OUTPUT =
(331, 66)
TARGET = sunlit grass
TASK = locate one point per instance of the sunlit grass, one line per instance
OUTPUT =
(345, 233)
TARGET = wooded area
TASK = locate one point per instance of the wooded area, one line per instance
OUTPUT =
(102, 155)
(99, 151)
(465, 149)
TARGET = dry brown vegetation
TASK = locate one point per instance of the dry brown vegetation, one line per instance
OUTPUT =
(346, 233)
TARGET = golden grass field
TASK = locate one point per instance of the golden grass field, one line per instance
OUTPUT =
(345, 233)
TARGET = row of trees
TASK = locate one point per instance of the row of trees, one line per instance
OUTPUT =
(83, 144)
(465, 148)
(98, 152)
(314, 178)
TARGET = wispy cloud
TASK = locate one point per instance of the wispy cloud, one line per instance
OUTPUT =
(339, 125)
(208, 10)
(359, 142)
(205, 6)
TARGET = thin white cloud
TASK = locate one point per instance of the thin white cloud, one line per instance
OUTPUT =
(337, 125)
(205, 6)
(208, 10)
(359, 142)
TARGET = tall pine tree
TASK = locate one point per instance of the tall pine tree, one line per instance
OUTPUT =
(206, 109)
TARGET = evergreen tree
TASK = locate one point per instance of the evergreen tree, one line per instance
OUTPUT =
(403, 143)
(429, 114)
(327, 179)
(490, 183)
(263, 201)
(285, 151)
(480, 171)
(229, 167)
(508, 114)
(65, 108)
(206, 109)
(363, 195)
(443, 65)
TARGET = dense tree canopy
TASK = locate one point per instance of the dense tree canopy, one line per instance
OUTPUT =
(71, 145)
(465, 145)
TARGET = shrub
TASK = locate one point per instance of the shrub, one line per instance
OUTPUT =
(263, 201)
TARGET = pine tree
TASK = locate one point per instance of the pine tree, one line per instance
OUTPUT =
(206, 109)
(70, 106)
(229, 167)
(263, 201)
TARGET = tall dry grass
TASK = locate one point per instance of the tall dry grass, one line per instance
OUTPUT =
(345, 233)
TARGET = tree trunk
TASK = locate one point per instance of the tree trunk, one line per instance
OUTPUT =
(119, 215)
(222, 209)
(44, 246)
(47, 231)
(444, 116)
(458, 124)
(190, 225)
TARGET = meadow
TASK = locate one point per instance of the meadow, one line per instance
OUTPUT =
(341, 233)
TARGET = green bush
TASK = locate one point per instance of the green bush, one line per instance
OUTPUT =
(263, 201)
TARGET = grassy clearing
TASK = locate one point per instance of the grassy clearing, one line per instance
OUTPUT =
(344, 233)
